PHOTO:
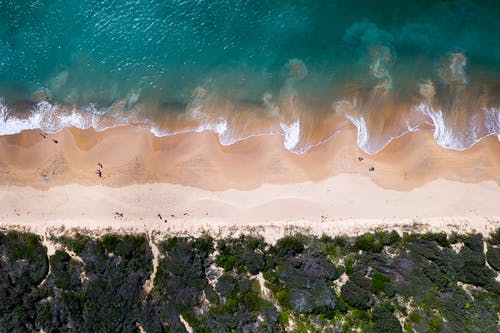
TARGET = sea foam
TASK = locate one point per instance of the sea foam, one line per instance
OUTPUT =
(291, 133)
(54, 117)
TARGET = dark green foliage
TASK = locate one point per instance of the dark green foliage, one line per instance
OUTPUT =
(77, 243)
(180, 281)
(23, 266)
(225, 285)
(454, 238)
(289, 245)
(493, 257)
(241, 306)
(439, 237)
(65, 271)
(472, 265)
(426, 249)
(300, 301)
(475, 243)
(380, 282)
(384, 320)
(109, 299)
(241, 254)
(368, 242)
(336, 247)
(302, 282)
(375, 242)
(348, 265)
(494, 238)
(204, 245)
(414, 317)
(101, 288)
(394, 238)
(356, 297)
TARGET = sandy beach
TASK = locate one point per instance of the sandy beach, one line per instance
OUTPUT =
(186, 184)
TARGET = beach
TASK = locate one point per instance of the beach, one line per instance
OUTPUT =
(190, 183)
(249, 166)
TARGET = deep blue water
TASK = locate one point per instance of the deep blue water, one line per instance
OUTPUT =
(157, 53)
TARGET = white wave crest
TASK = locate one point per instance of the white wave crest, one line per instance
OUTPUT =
(12, 125)
(457, 137)
(360, 123)
(53, 117)
(291, 132)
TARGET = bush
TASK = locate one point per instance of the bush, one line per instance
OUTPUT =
(384, 320)
(348, 262)
(254, 243)
(426, 249)
(289, 245)
(414, 317)
(391, 238)
(439, 237)
(238, 254)
(204, 245)
(473, 270)
(23, 265)
(301, 301)
(368, 242)
(77, 244)
(494, 238)
(379, 281)
(475, 243)
(225, 285)
(61, 266)
(356, 297)
(493, 257)
(300, 273)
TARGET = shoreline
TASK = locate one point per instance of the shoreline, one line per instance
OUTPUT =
(132, 155)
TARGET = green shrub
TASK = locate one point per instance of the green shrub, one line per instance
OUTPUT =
(435, 325)
(204, 244)
(282, 298)
(356, 297)
(78, 243)
(493, 257)
(348, 262)
(439, 237)
(290, 245)
(414, 317)
(384, 320)
(494, 238)
(379, 281)
(368, 242)
(299, 272)
(253, 243)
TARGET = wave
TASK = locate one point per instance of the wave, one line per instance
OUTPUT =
(460, 113)
(300, 132)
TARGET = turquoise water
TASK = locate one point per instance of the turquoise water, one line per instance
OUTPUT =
(197, 65)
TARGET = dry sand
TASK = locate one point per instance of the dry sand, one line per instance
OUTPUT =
(256, 185)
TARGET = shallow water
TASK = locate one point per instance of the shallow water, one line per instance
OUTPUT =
(240, 68)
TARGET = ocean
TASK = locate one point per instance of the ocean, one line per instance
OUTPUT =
(301, 69)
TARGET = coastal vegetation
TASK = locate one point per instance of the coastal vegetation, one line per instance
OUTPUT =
(375, 282)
